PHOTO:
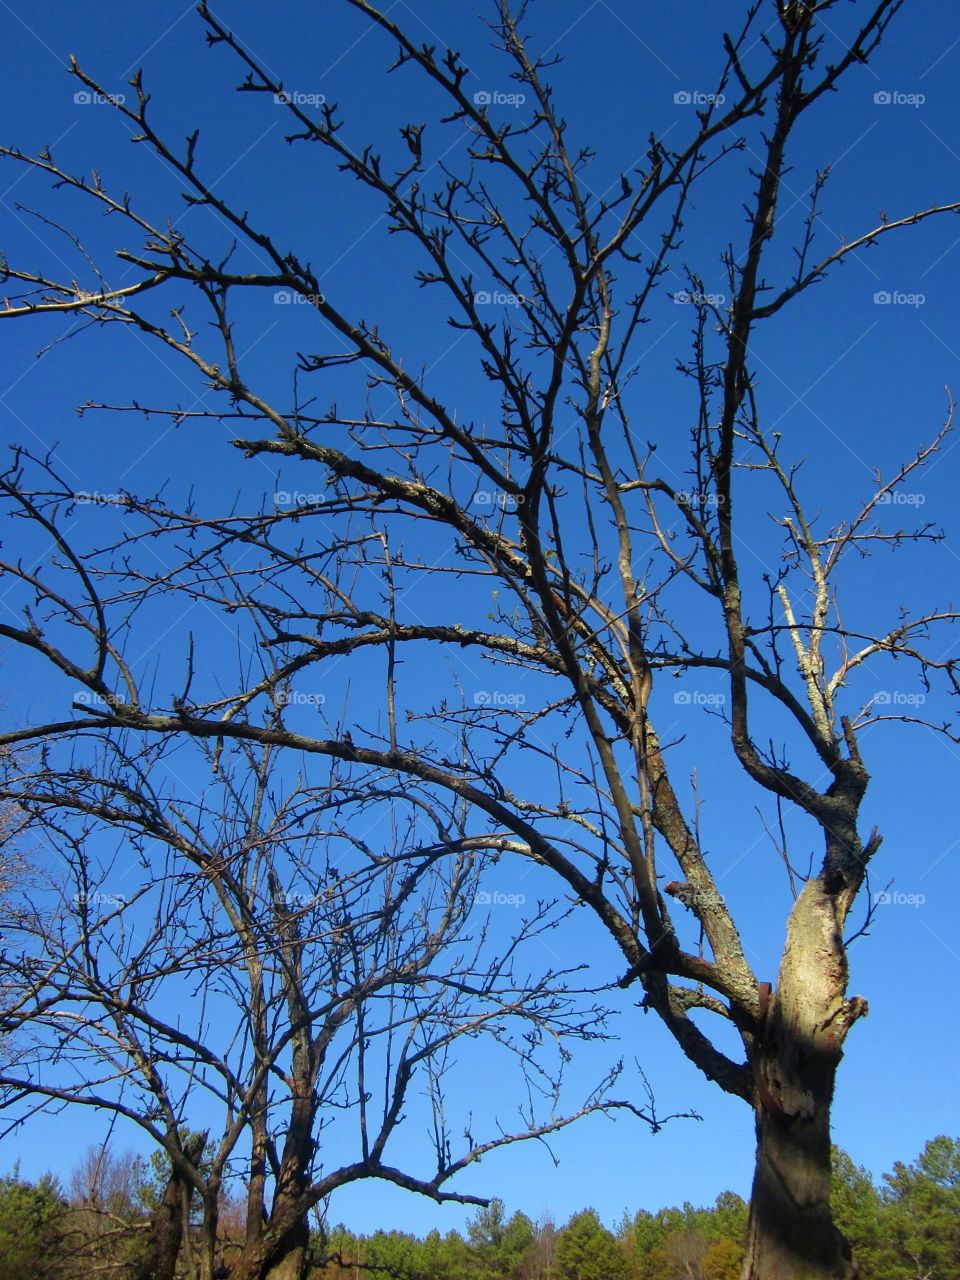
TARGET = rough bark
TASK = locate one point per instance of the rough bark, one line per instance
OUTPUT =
(291, 1257)
(791, 1233)
(166, 1231)
(167, 1222)
(280, 1252)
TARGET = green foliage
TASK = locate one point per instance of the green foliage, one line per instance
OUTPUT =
(728, 1218)
(392, 1252)
(723, 1260)
(499, 1245)
(586, 1250)
(31, 1227)
(922, 1205)
(857, 1209)
(910, 1227)
(687, 1243)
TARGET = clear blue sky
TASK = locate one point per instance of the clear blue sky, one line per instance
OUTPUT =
(855, 381)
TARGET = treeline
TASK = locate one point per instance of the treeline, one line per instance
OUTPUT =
(904, 1228)
(688, 1242)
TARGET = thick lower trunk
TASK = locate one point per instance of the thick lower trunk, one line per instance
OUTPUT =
(159, 1261)
(791, 1234)
(206, 1246)
(281, 1251)
(292, 1266)
(168, 1221)
(286, 1261)
(798, 1046)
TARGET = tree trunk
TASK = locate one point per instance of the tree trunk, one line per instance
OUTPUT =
(799, 1043)
(159, 1261)
(279, 1254)
(291, 1262)
(791, 1233)
(206, 1246)
(169, 1221)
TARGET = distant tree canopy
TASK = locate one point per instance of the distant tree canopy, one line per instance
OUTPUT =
(910, 1226)
(905, 1227)
(500, 1243)
(31, 1215)
(586, 1250)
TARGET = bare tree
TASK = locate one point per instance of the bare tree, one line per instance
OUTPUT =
(258, 960)
(105, 1228)
(576, 564)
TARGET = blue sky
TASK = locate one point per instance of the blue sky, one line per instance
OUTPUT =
(854, 376)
